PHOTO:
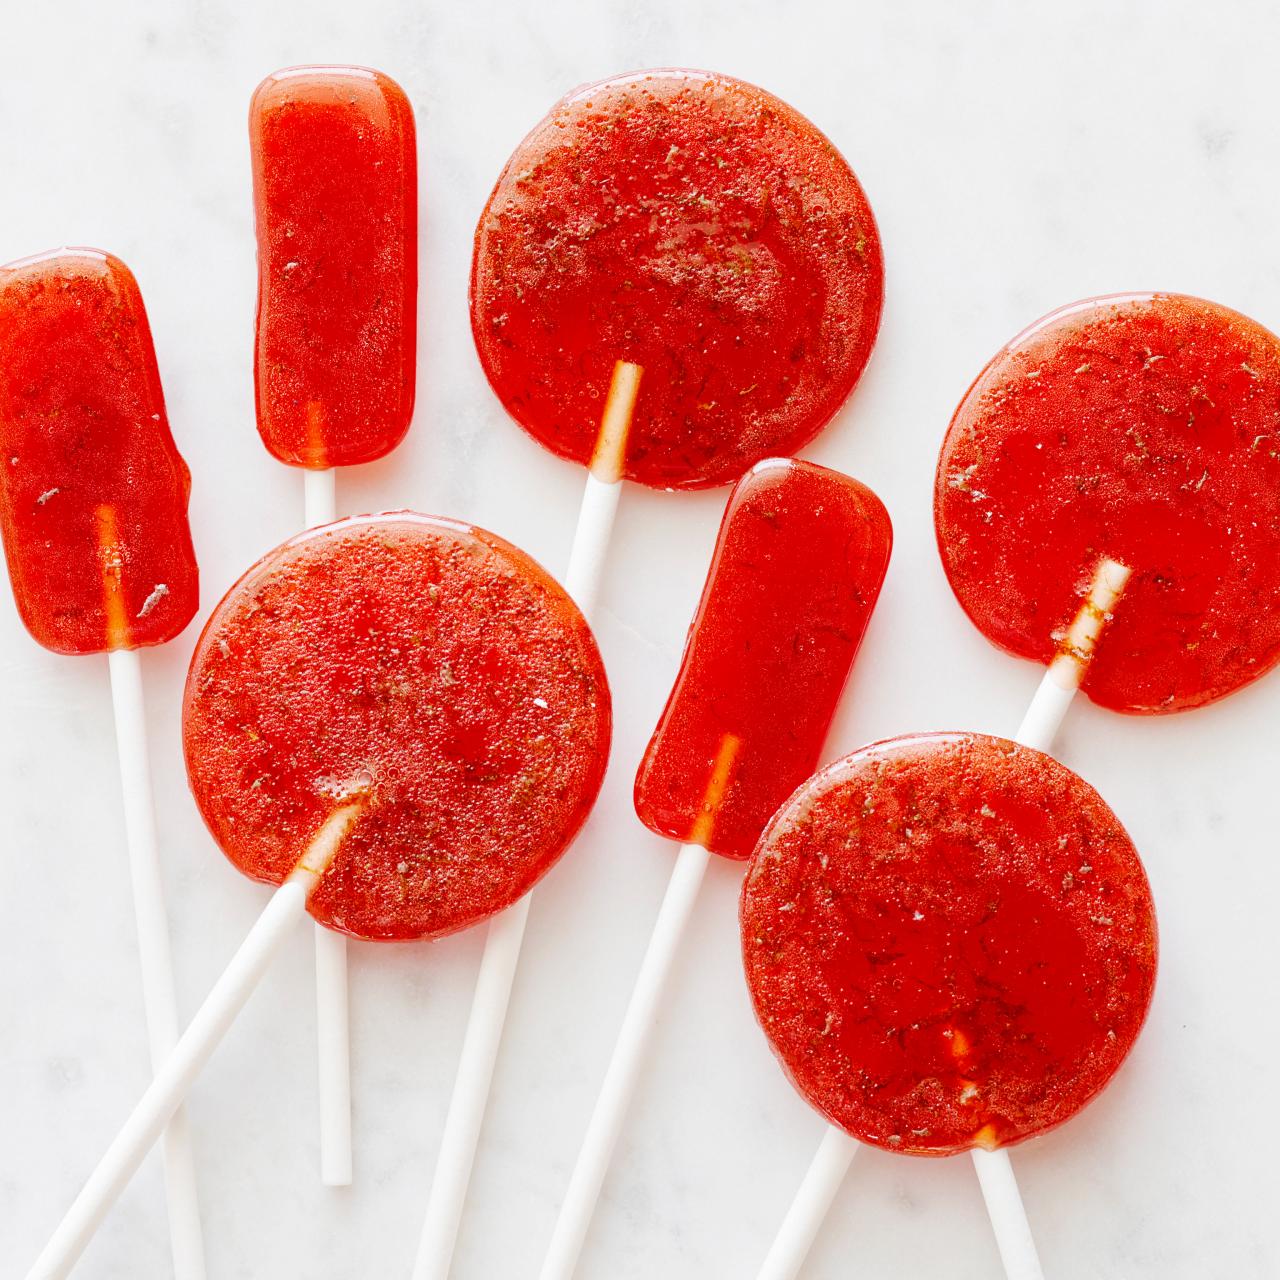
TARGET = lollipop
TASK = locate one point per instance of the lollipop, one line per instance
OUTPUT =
(793, 580)
(1000, 1190)
(400, 720)
(1140, 427)
(93, 508)
(695, 230)
(336, 204)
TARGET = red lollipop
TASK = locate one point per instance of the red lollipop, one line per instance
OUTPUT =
(93, 509)
(700, 228)
(951, 949)
(950, 942)
(400, 720)
(695, 230)
(1143, 428)
(428, 666)
(795, 575)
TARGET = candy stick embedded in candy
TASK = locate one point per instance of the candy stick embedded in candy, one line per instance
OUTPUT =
(335, 197)
(397, 684)
(796, 573)
(501, 957)
(93, 509)
(700, 227)
(800, 1226)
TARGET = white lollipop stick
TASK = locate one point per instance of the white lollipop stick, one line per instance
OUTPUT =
(193, 1050)
(800, 1227)
(333, 1027)
(158, 996)
(623, 1072)
(995, 1171)
(505, 936)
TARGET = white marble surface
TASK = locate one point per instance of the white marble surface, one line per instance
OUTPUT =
(1018, 156)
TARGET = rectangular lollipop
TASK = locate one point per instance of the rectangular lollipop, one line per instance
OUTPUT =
(335, 190)
(93, 492)
(795, 575)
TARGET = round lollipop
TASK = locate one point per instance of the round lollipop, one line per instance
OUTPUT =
(93, 509)
(694, 225)
(949, 941)
(335, 195)
(1141, 427)
(693, 229)
(403, 722)
(958, 862)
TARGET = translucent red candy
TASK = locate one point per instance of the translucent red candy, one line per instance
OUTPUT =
(1143, 428)
(796, 573)
(335, 189)
(93, 492)
(694, 225)
(421, 663)
(950, 942)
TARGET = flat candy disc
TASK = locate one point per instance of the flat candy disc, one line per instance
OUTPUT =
(1145, 428)
(427, 665)
(949, 941)
(694, 225)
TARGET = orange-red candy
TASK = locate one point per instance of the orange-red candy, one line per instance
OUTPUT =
(950, 942)
(335, 194)
(93, 492)
(428, 669)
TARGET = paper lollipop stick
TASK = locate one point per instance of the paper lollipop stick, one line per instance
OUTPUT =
(995, 1171)
(193, 1049)
(623, 1072)
(158, 996)
(333, 1027)
(506, 932)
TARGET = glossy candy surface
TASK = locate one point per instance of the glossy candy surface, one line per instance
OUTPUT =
(426, 665)
(1145, 428)
(949, 941)
(795, 575)
(335, 191)
(696, 226)
(93, 492)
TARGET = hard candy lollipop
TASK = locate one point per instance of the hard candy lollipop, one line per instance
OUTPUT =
(1018, 960)
(1141, 427)
(696, 230)
(795, 575)
(335, 192)
(400, 720)
(93, 509)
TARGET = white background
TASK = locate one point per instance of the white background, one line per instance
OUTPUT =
(1017, 157)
